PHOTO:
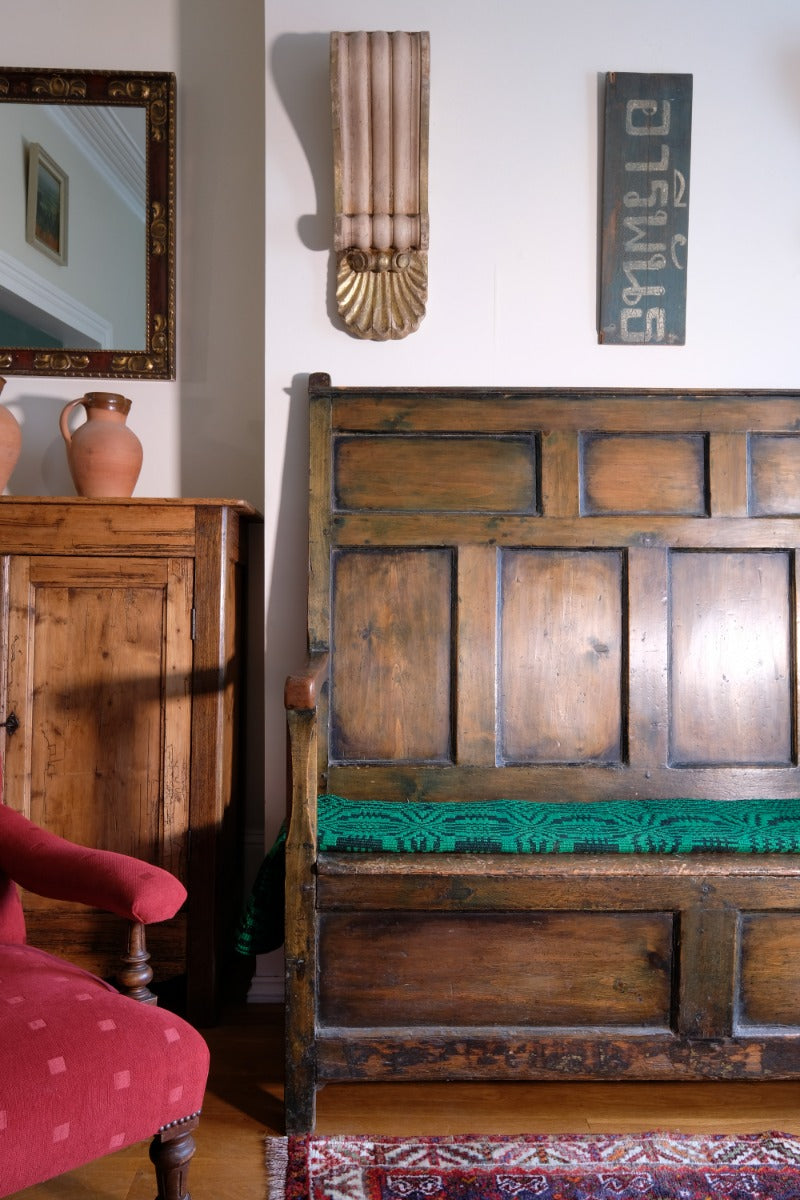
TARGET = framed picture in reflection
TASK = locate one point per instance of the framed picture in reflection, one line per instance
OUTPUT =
(46, 224)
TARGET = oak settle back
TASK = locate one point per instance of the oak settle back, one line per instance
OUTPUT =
(545, 594)
(586, 593)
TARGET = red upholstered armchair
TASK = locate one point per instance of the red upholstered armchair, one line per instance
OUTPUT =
(85, 1070)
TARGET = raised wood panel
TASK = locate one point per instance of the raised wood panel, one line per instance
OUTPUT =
(644, 473)
(391, 682)
(774, 475)
(103, 711)
(436, 474)
(730, 668)
(399, 969)
(100, 670)
(561, 656)
(770, 952)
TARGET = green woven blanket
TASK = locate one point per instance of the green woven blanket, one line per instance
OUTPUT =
(523, 827)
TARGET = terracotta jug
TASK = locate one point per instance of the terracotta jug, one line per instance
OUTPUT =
(104, 455)
(10, 442)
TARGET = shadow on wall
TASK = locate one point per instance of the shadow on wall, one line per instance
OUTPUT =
(42, 470)
(300, 64)
(286, 619)
(220, 233)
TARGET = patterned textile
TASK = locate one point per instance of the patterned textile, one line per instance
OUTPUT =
(568, 1167)
(83, 1070)
(261, 925)
(522, 827)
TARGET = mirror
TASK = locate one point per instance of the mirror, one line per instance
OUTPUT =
(87, 223)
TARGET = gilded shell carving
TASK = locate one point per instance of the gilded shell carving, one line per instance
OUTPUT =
(381, 296)
(379, 105)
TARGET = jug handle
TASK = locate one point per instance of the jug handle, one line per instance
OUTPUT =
(62, 421)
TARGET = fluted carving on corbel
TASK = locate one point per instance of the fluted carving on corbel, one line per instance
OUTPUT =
(380, 102)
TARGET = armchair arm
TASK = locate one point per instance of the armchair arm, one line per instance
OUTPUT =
(51, 866)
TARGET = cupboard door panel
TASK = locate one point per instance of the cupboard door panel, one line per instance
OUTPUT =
(99, 675)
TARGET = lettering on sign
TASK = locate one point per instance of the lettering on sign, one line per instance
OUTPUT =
(645, 212)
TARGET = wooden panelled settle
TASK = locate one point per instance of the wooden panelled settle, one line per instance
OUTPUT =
(545, 595)
(122, 658)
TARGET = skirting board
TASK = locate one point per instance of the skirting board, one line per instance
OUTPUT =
(267, 986)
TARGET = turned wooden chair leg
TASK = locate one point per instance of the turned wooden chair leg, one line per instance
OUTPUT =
(170, 1153)
(135, 972)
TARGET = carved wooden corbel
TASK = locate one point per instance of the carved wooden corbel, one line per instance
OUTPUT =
(380, 102)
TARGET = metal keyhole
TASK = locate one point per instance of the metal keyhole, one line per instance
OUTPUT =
(11, 723)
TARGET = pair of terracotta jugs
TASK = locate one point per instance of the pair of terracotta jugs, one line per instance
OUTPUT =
(104, 455)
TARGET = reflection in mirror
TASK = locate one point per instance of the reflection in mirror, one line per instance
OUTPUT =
(87, 223)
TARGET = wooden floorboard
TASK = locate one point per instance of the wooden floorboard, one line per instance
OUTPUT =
(244, 1103)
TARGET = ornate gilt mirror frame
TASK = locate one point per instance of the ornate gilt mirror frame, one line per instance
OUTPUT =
(154, 93)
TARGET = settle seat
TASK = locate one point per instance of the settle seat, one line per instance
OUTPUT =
(84, 1069)
(543, 812)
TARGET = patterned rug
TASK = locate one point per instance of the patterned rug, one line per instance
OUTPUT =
(662, 1166)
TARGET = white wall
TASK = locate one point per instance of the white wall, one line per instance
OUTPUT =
(203, 433)
(513, 217)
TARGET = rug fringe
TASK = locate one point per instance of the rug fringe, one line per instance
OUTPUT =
(277, 1157)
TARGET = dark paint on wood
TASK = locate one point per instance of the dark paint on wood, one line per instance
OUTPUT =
(633, 635)
(645, 212)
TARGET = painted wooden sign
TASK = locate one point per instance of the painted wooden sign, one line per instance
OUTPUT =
(645, 234)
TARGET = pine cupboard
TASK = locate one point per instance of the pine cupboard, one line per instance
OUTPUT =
(122, 664)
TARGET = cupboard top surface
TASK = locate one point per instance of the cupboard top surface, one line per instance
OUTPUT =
(75, 525)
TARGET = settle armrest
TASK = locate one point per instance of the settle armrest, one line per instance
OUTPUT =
(302, 688)
(51, 866)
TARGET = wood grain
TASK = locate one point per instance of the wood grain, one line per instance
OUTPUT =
(561, 664)
(121, 649)
(631, 635)
(391, 680)
(511, 970)
(643, 473)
